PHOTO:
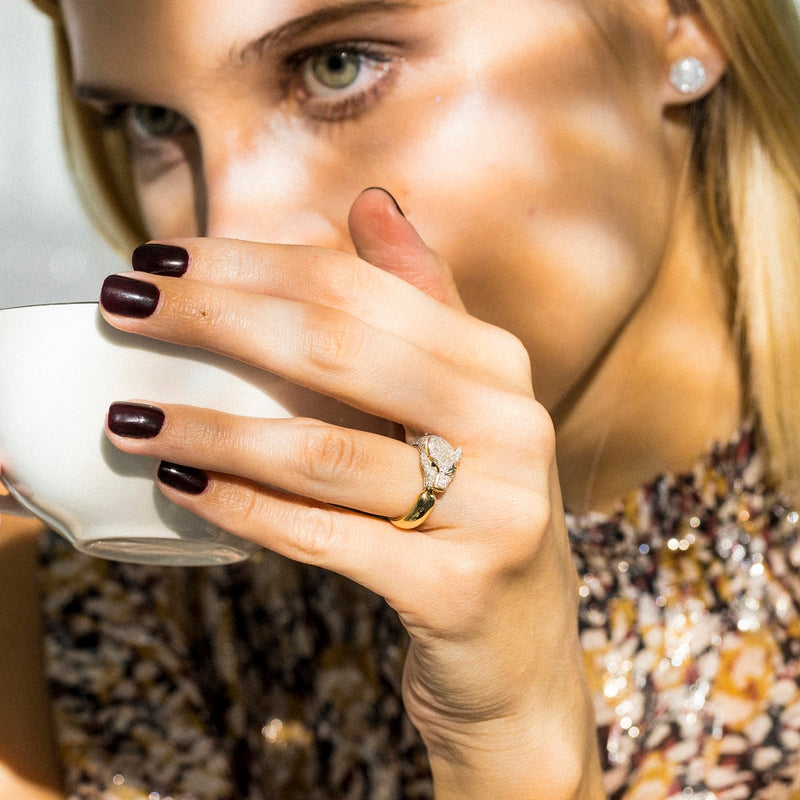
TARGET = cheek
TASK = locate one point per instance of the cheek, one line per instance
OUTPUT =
(554, 217)
(543, 182)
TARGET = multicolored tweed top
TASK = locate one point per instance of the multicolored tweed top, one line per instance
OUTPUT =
(273, 680)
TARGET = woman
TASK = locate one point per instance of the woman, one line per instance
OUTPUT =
(601, 206)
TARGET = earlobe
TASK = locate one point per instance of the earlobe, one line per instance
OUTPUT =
(688, 75)
(694, 59)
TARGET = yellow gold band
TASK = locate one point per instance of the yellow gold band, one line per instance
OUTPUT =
(418, 513)
(438, 462)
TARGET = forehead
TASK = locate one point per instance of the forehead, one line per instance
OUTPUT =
(158, 50)
(105, 33)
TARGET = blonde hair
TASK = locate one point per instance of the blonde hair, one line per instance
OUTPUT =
(746, 153)
(97, 157)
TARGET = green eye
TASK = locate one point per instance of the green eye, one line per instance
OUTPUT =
(337, 69)
(339, 81)
(156, 121)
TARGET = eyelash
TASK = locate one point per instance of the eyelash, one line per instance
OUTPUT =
(293, 84)
(370, 57)
(121, 117)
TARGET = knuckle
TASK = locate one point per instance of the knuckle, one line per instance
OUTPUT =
(315, 534)
(204, 320)
(344, 286)
(522, 549)
(241, 506)
(524, 429)
(539, 513)
(508, 350)
(204, 434)
(334, 342)
(327, 451)
(543, 432)
(535, 430)
(516, 351)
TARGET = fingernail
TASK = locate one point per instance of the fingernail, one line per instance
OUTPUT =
(391, 197)
(185, 479)
(135, 420)
(129, 297)
(160, 259)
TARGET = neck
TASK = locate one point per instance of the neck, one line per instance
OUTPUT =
(668, 386)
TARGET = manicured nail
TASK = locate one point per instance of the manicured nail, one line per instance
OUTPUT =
(185, 479)
(129, 297)
(160, 259)
(135, 420)
(391, 197)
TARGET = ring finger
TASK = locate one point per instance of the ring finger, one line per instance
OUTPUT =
(305, 457)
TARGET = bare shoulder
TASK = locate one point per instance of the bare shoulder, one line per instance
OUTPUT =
(28, 764)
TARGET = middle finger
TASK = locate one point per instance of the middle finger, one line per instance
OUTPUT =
(324, 349)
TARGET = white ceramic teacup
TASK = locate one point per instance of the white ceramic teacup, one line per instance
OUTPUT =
(61, 366)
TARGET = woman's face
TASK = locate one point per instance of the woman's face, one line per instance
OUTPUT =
(531, 154)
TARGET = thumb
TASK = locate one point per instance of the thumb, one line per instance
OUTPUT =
(384, 237)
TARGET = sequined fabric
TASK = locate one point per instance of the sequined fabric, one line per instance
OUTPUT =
(272, 680)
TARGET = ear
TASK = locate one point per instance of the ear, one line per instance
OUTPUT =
(694, 60)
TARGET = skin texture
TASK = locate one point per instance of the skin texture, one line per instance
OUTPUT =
(550, 244)
(542, 165)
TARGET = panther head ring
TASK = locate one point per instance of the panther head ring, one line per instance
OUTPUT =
(438, 462)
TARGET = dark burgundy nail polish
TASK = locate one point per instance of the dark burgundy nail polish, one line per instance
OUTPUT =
(129, 297)
(160, 259)
(135, 420)
(185, 479)
(391, 197)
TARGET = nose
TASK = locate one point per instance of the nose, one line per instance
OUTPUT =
(271, 187)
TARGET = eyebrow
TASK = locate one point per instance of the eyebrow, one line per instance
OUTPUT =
(88, 93)
(319, 18)
(328, 15)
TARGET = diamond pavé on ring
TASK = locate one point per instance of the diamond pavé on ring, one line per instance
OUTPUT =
(438, 461)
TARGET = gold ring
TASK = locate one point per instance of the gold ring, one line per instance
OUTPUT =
(438, 462)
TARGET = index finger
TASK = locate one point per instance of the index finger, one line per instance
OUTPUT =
(345, 282)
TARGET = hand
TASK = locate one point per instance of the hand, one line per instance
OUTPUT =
(486, 588)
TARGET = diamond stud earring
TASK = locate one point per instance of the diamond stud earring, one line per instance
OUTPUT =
(688, 75)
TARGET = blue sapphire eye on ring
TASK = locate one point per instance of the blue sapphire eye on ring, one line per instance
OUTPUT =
(438, 461)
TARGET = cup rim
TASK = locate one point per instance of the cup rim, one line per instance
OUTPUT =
(54, 303)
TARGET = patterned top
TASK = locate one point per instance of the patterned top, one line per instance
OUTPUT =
(272, 680)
